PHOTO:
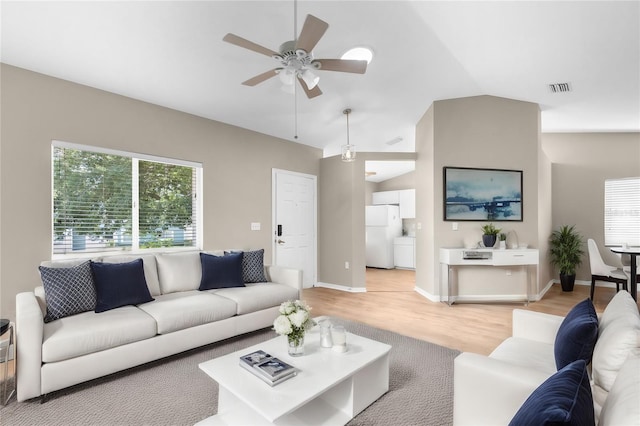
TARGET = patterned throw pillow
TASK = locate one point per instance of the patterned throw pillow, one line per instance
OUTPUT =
(68, 291)
(253, 266)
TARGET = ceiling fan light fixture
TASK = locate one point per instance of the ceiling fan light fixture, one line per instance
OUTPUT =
(310, 79)
(286, 76)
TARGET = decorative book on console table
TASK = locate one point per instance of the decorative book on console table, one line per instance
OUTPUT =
(269, 369)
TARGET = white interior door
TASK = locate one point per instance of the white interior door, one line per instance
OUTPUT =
(294, 223)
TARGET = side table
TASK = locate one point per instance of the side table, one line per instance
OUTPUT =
(7, 349)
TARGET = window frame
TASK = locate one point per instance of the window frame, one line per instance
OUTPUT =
(136, 157)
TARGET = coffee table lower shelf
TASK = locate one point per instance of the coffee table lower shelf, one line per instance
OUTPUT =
(330, 389)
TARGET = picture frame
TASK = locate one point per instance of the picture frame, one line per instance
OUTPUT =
(475, 194)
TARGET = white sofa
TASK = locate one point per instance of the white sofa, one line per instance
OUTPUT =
(489, 390)
(84, 346)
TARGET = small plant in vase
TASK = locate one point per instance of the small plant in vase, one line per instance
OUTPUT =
(503, 241)
(489, 235)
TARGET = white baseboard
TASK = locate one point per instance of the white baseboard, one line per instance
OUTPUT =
(341, 287)
(427, 295)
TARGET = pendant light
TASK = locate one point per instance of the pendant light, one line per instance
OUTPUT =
(348, 150)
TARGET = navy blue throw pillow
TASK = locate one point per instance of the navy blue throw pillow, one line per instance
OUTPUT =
(221, 271)
(563, 399)
(119, 284)
(577, 335)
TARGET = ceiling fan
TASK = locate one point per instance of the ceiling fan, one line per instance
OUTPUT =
(296, 58)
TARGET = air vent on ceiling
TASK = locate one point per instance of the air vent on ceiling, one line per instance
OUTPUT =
(560, 87)
(394, 141)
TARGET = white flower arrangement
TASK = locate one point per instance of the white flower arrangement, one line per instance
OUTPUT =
(293, 320)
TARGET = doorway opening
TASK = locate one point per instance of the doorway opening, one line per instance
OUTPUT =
(390, 225)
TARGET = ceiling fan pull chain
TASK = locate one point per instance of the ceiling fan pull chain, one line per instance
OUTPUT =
(295, 111)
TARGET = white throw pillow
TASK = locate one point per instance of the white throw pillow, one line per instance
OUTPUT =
(179, 271)
(620, 339)
(621, 306)
(622, 406)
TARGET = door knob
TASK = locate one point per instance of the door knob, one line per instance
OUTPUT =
(279, 241)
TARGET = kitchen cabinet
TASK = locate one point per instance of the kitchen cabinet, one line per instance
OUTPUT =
(405, 198)
(386, 197)
(404, 252)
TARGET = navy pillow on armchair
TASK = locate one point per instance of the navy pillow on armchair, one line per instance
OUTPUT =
(563, 399)
(576, 337)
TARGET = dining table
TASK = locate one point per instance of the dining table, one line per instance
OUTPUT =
(633, 253)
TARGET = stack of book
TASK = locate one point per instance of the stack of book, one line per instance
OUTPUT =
(269, 369)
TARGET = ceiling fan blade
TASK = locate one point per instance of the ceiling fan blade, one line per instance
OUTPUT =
(311, 93)
(312, 30)
(261, 77)
(239, 41)
(343, 65)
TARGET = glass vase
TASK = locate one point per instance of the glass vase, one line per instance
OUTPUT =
(296, 345)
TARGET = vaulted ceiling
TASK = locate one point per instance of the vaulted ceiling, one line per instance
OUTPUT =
(171, 53)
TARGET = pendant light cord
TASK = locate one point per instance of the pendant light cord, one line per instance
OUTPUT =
(295, 77)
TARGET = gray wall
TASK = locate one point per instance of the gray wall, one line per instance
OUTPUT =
(485, 132)
(581, 163)
(341, 202)
(37, 109)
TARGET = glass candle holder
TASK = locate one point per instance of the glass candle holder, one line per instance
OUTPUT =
(339, 337)
(325, 334)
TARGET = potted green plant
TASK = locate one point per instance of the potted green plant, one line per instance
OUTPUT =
(566, 254)
(503, 241)
(489, 235)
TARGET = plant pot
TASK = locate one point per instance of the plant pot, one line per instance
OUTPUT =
(567, 282)
(489, 240)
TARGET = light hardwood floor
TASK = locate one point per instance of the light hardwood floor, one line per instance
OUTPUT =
(391, 303)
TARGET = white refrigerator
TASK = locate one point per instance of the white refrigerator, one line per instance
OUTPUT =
(383, 224)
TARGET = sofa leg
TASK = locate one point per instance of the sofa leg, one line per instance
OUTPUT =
(43, 398)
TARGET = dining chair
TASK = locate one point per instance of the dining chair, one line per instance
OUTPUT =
(600, 271)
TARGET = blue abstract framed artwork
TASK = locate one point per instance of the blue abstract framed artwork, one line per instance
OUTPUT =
(482, 194)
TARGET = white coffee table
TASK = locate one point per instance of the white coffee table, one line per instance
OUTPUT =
(330, 389)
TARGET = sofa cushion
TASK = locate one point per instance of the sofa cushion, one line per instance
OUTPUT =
(177, 311)
(119, 284)
(150, 269)
(622, 406)
(89, 332)
(258, 296)
(68, 290)
(577, 335)
(620, 339)
(621, 305)
(562, 399)
(221, 271)
(179, 271)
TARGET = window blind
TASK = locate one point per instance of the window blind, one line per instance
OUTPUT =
(103, 201)
(622, 211)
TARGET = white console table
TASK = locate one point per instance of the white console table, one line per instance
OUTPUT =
(453, 258)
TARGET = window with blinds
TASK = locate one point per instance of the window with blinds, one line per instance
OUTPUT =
(107, 200)
(622, 211)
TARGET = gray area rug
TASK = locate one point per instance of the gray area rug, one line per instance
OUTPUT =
(174, 391)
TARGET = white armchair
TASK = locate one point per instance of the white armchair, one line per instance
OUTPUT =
(490, 390)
